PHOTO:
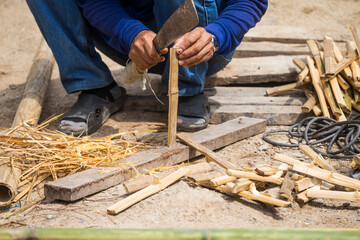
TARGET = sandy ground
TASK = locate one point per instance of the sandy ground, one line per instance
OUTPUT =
(182, 205)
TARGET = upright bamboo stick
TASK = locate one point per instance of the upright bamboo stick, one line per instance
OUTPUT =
(173, 97)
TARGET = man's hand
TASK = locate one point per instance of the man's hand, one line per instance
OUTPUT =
(143, 51)
(194, 47)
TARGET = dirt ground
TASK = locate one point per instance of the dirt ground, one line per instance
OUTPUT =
(182, 205)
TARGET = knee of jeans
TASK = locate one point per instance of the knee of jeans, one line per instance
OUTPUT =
(218, 62)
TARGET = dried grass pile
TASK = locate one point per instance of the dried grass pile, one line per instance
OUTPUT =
(41, 153)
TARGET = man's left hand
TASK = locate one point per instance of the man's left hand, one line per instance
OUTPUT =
(194, 47)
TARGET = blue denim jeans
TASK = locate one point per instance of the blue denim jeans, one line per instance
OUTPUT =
(73, 41)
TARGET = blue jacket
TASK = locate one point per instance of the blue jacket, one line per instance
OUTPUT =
(120, 20)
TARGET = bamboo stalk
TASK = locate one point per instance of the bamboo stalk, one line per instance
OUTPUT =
(345, 63)
(207, 152)
(339, 97)
(311, 98)
(265, 170)
(316, 157)
(204, 177)
(146, 192)
(329, 59)
(299, 63)
(197, 168)
(316, 54)
(276, 178)
(302, 75)
(332, 103)
(8, 184)
(138, 183)
(338, 195)
(173, 97)
(318, 87)
(347, 99)
(344, 85)
(316, 172)
(355, 36)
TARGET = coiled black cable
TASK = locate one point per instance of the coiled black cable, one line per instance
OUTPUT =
(321, 130)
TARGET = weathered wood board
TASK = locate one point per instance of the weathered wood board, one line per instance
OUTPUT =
(256, 70)
(82, 184)
(230, 102)
(290, 34)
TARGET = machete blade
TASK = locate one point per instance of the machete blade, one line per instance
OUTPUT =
(180, 22)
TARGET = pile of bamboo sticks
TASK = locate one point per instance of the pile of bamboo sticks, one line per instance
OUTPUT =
(334, 76)
(33, 155)
(307, 181)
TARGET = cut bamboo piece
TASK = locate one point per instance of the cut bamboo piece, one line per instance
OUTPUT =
(230, 186)
(8, 184)
(339, 97)
(303, 198)
(296, 177)
(345, 63)
(173, 97)
(332, 103)
(276, 178)
(302, 75)
(318, 87)
(355, 36)
(204, 177)
(338, 56)
(222, 180)
(338, 195)
(319, 173)
(138, 183)
(30, 107)
(316, 54)
(329, 59)
(311, 96)
(299, 63)
(265, 170)
(309, 104)
(287, 187)
(207, 152)
(306, 183)
(254, 194)
(274, 91)
(355, 68)
(344, 85)
(241, 185)
(316, 157)
(347, 99)
(197, 168)
(146, 192)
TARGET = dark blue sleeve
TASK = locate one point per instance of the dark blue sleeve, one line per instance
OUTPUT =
(115, 20)
(236, 18)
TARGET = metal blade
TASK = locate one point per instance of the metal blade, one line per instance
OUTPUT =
(180, 22)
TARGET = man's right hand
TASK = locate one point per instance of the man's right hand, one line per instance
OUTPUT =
(143, 52)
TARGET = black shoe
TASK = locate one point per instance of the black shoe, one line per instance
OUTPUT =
(193, 113)
(91, 111)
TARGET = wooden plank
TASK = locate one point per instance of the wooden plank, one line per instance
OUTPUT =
(275, 115)
(266, 48)
(288, 34)
(173, 97)
(255, 70)
(88, 182)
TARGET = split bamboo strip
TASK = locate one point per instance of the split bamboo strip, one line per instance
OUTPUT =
(345, 63)
(338, 195)
(318, 87)
(173, 97)
(299, 63)
(338, 57)
(316, 54)
(316, 172)
(306, 183)
(354, 65)
(204, 177)
(276, 178)
(265, 170)
(344, 85)
(316, 157)
(138, 183)
(347, 99)
(274, 91)
(253, 194)
(302, 75)
(207, 152)
(241, 185)
(222, 180)
(308, 105)
(329, 59)
(146, 192)
(339, 97)
(332, 103)
(355, 36)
